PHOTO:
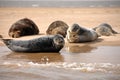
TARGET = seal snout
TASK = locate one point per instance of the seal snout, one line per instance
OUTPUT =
(15, 34)
(59, 40)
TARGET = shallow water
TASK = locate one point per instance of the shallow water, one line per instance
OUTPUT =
(71, 63)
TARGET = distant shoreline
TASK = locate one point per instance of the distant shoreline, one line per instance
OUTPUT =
(60, 4)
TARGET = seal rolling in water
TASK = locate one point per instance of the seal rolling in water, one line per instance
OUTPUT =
(50, 43)
(77, 34)
(23, 27)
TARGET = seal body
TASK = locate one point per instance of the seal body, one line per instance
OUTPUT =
(57, 27)
(23, 27)
(77, 34)
(51, 43)
(104, 29)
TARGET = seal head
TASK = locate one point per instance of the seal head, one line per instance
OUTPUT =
(57, 27)
(23, 27)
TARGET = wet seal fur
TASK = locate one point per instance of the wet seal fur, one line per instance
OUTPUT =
(57, 27)
(50, 43)
(77, 34)
(104, 29)
(23, 27)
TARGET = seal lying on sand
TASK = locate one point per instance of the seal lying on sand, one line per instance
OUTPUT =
(51, 43)
(104, 29)
(57, 27)
(23, 27)
(76, 34)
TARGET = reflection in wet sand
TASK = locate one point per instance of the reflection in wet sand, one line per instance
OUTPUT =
(80, 49)
(35, 57)
(101, 54)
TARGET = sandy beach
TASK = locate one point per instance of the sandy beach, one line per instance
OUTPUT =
(43, 17)
(97, 60)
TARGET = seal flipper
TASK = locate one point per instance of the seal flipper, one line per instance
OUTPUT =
(6, 41)
(114, 32)
(17, 46)
(11, 44)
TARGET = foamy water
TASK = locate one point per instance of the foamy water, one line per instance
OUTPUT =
(84, 67)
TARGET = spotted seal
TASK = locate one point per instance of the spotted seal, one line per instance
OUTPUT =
(77, 34)
(104, 29)
(23, 27)
(57, 27)
(49, 43)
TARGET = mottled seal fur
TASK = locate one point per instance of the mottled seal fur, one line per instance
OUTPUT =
(49, 43)
(23, 27)
(77, 34)
(57, 27)
(104, 29)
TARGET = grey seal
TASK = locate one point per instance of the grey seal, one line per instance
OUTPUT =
(104, 29)
(57, 27)
(23, 27)
(50, 43)
(77, 34)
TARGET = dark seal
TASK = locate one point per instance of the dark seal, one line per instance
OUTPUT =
(50, 43)
(23, 27)
(57, 27)
(105, 29)
(77, 34)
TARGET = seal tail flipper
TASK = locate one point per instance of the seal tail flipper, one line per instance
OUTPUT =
(114, 32)
(6, 41)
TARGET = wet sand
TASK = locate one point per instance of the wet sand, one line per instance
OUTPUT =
(87, 61)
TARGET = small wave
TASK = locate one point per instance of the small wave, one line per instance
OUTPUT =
(84, 67)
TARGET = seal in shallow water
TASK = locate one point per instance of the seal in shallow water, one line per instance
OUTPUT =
(104, 29)
(76, 34)
(50, 43)
(23, 27)
(57, 27)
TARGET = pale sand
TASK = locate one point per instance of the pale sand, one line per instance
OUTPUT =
(43, 17)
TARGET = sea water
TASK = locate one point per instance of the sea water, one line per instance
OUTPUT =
(71, 63)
